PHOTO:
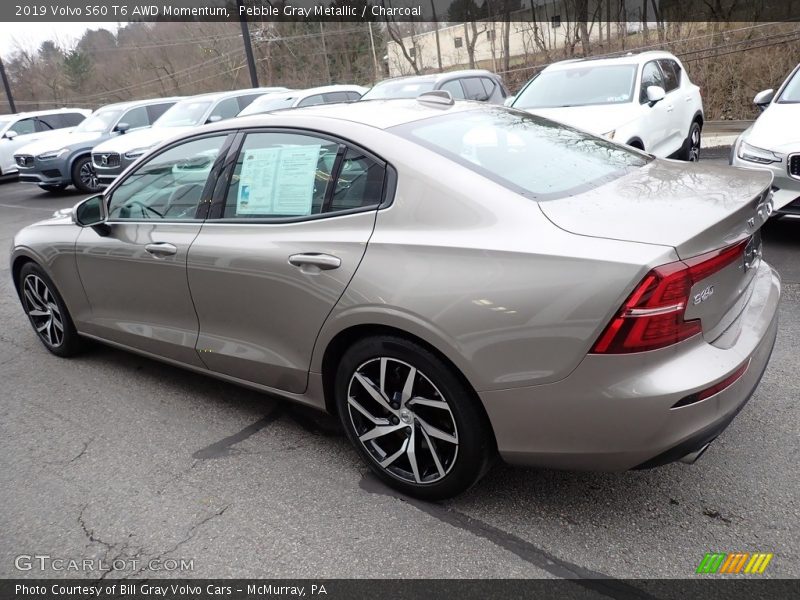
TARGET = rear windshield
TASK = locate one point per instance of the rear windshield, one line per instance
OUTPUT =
(536, 157)
(401, 88)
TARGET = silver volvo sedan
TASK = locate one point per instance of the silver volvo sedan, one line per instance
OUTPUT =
(454, 280)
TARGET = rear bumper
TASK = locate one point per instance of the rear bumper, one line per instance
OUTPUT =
(616, 412)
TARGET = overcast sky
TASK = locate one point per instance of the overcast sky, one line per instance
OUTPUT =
(31, 35)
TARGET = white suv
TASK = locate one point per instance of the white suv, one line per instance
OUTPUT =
(20, 129)
(644, 100)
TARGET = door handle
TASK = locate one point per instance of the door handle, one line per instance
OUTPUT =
(160, 249)
(323, 261)
(670, 108)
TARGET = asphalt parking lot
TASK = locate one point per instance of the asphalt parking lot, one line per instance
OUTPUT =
(110, 455)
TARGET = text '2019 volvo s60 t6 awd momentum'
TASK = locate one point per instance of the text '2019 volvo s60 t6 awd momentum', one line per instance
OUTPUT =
(453, 280)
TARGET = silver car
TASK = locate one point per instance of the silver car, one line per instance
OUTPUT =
(454, 280)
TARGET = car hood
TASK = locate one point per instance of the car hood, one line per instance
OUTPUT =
(693, 208)
(598, 119)
(74, 140)
(144, 138)
(778, 128)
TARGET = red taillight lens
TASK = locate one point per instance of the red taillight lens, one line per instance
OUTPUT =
(653, 315)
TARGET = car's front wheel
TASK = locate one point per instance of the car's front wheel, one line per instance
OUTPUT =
(412, 418)
(84, 176)
(691, 146)
(47, 312)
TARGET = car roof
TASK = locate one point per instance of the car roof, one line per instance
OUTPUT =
(49, 111)
(631, 58)
(381, 114)
(436, 77)
(235, 93)
(135, 103)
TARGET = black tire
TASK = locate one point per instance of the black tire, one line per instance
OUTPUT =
(452, 467)
(54, 189)
(691, 145)
(84, 177)
(68, 343)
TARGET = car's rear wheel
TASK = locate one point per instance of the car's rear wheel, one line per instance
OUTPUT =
(84, 176)
(55, 189)
(412, 418)
(47, 312)
(691, 145)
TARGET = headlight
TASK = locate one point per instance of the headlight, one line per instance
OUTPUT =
(53, 154)
(758, 155)
(610, 134)
(136, 152)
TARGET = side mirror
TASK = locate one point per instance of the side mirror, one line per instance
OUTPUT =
(214, 119)
(655, 93)
(122, 127)
(91, 212)
(763, 98)
(10, 134)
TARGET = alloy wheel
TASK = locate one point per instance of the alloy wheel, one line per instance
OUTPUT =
(694, 149)
(402, 420)
(42, 308)
(88, 176)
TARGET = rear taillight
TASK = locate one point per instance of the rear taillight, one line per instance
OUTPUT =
(653, 315)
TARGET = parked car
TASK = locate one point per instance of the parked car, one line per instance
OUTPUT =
(63, 160)
(773, 143)
(112, 157)
(451, 279)
(644, 100)
(471, 84)
(20, 129)
(328, 94)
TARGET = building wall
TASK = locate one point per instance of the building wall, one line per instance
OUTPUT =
(551, 30)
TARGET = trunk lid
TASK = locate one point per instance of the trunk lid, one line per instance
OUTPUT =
(696, 209)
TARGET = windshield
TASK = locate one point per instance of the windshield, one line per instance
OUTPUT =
(100, 121)
(531, 155)
(183, 114)
(582, 86)
(400, 88)
(791, 93)
(261, 105)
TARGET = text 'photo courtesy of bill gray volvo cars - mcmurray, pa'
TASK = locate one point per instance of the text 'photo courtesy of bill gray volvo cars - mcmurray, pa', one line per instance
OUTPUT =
(454, 280)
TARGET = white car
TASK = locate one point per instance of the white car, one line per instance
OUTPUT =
(329, 94)
(20, 129)
(773, 143)
(644, 100)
